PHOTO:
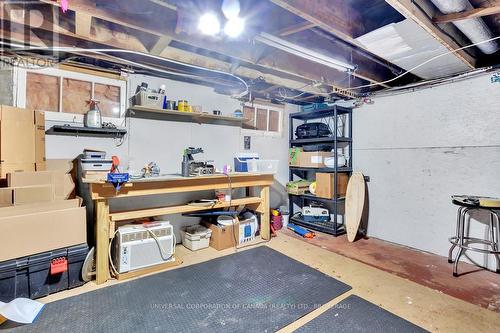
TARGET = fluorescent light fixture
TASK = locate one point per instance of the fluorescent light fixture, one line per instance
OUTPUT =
(303, 52)
(209, 24)
(234, 27)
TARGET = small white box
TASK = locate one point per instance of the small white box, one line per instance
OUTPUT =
(96, 165)
(195, 237)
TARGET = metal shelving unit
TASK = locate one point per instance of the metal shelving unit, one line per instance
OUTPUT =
(333, 227)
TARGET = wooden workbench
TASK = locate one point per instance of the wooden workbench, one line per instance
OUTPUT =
(102, 192)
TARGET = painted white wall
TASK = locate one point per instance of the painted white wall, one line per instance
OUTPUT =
(164, 141)
(420, 148)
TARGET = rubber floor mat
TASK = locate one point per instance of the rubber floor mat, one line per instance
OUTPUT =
(257, 290)
(355, 314)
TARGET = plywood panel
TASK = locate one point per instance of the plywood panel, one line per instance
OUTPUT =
(75, 96)
(42, 92)
(109, 99)
(274, 118)
(261, 119)
(249, 113)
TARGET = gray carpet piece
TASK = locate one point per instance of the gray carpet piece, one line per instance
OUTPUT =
(355, 314)
(257, 290)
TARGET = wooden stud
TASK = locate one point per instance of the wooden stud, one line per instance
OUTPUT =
(265, 225)
(102, 240)
(476, 12)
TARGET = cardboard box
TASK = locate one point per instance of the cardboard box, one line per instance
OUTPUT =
(17, 167)
(61, 182)
(223, 237)
(300, 158)
(39, 206)
(27, 232)
(17, 135)
(10, 196)
(63, 165)
(39, 139)
(298, 187)
(325, 184)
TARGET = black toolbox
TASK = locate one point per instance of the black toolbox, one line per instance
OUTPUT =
(42, 274)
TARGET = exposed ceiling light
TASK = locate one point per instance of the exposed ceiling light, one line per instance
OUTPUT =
(303, 52)
(231, 8)
(234, 27)
(209, 24)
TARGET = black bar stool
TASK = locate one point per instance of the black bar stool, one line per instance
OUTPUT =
(462, 240)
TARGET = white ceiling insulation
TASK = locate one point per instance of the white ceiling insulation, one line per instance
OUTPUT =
(407, 45)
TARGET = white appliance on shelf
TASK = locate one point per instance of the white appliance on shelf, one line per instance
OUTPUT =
(136, 247)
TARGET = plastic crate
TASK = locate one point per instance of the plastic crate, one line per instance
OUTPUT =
(31, 276)
(149, 99)
(263, 166)
(240, 161)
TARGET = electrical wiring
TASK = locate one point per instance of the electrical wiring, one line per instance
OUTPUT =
(423, 64)
(105, 52)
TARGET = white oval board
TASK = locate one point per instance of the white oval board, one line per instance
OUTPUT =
(354, 203)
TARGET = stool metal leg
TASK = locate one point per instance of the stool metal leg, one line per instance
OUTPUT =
(463, 219)
(494, 236)
(457, 230)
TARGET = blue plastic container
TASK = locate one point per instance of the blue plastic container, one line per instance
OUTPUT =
(240, 161)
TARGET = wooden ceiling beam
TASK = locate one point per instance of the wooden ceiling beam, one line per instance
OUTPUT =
(295, 28)
(242, 51)
(411, 11)
(476, 12)
(69, 39)
(336, 18)
(83, 23)
(160, 45)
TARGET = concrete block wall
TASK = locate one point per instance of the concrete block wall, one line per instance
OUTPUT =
(419, 148)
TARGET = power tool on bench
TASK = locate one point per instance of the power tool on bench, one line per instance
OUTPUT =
(191, 168)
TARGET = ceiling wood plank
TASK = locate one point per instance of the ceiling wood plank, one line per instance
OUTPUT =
(408, 9)
(476, 12)
(83, 23)
(295, 28)
(321, 13)
(69, 39)
(241, 51)
(160, 45)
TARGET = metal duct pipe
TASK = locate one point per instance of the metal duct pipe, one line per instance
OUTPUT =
(474, 28)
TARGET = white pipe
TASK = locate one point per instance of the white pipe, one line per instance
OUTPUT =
(474, 28)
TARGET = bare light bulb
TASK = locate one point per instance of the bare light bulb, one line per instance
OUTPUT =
(209, 24)
(234, 27)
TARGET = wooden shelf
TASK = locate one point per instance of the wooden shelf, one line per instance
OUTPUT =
(179, 209)
(193, 117)
(149, 270)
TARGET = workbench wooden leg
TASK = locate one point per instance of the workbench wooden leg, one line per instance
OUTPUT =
(102, 241)
(265, 226)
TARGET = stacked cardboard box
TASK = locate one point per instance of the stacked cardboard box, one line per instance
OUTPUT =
(22, 140)
(37, 212)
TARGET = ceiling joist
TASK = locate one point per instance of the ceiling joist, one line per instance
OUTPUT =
(411, 9)
(476, 12)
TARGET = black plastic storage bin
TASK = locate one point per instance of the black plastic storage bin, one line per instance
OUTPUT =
(31, 276)
(14, 279)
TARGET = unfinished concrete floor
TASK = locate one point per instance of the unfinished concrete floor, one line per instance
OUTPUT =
(426, 307)
(474, 285)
